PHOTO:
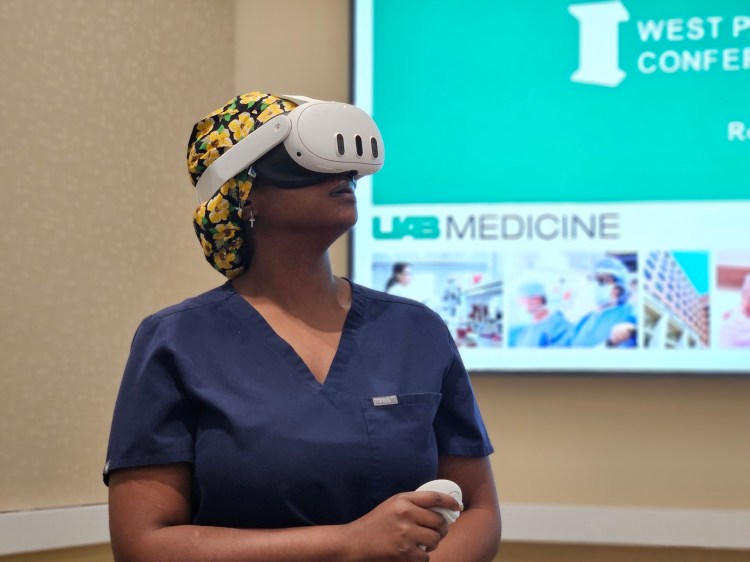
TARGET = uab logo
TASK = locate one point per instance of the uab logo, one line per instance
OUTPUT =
(401, 227)
(599, 42)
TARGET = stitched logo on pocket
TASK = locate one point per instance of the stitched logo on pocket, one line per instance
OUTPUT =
(385, 400)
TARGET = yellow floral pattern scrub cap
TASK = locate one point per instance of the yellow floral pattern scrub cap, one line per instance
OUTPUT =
(217, 222)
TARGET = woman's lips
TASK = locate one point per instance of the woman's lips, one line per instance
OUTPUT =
(344, 188)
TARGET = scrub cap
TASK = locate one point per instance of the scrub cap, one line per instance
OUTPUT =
(614, 267)
(532, 289)
(217, 222)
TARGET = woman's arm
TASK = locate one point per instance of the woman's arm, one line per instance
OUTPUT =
(475, 536)
(150, 521)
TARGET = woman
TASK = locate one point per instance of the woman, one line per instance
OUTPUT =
(288, 414)
(399, 280)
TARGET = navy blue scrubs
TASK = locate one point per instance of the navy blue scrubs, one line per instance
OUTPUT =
(210, 383)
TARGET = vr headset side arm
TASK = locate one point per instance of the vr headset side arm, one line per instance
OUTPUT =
(242, 155)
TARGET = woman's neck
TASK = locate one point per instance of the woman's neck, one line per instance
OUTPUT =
(293, 276)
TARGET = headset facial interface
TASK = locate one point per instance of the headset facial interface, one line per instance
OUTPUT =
(315, 140)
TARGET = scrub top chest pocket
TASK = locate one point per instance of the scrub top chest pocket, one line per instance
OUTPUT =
(402, 441)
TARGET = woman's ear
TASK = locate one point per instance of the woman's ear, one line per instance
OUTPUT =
(254, 200)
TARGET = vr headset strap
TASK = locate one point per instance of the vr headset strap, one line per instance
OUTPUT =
(242, 155)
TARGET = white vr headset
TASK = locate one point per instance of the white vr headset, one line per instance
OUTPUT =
(310, 143)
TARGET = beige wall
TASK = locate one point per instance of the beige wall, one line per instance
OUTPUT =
(97, 553)
(97, 100)
(620, 440)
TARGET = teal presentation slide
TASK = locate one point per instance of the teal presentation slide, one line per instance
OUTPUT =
(499, 101)
(566, 184)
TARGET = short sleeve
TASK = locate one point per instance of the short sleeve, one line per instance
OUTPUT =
(458, 425)
(154, 418)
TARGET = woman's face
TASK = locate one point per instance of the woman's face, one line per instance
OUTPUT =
(532, 304)
(606, 291)
(405, 276)
(327, 207)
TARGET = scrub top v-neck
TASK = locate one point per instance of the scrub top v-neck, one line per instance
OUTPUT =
(296, 364)
(210, 383)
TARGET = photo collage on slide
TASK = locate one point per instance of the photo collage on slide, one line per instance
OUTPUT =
(658, 299)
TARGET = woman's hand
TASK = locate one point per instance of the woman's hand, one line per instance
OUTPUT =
(395, 529)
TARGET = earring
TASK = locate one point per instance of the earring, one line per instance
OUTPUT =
(251, 220)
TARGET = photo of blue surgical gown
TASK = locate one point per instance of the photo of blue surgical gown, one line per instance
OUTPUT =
(549, 332)
(595, 327)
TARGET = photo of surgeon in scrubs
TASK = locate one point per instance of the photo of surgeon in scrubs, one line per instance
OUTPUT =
(735, 323)
(544, 328)
(400, 282)
(613, 322)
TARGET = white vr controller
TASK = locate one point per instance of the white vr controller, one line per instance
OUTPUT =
(444, 487)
